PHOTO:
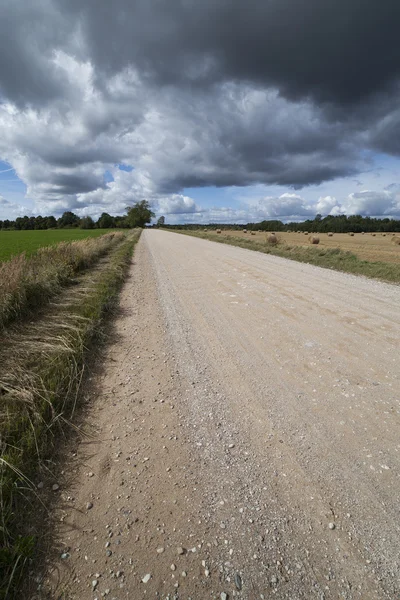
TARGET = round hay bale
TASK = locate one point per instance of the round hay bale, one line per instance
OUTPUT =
(351, 234)
(306, 233)
(395, 240)
(383, 234)
(272, 239)
(219, 231)
(363, 233)
(244, 230)
(289, 231)
(314, 239)
(205, 229)
(252, 233)
(330, 234)
(373, 234)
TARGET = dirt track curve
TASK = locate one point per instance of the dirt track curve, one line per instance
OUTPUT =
(246, 425)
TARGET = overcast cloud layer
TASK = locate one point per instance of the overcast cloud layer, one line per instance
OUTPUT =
(191, 94)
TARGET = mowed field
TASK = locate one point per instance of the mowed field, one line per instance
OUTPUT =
(366, 247)
(15, 242)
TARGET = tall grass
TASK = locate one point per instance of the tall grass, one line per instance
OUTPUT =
(28, 283)
(41, 368)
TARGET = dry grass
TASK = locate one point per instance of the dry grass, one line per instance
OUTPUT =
(41, 368)
(27, 283)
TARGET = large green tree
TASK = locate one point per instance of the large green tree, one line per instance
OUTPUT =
(139, 214)
(105, 221)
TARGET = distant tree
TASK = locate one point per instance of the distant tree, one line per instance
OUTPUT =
(40, 222)
(50, 222)
(120, 222)
(106, 221)
(160, 221)
(68, 219)
(86, 223)
(139, 214)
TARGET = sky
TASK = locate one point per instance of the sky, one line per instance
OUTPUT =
(213, 111)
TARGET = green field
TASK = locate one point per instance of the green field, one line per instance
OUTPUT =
(15, 242)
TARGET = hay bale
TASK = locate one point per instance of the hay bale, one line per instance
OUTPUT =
(289, 231)
(244, 230)
(383, 234)
(314, 239)
(363, 233)
(306, 233)
(272, 240)
(373, 234)
(395, 240)
(219, 231)
(351, 234)
(330, 234)
(252, 233)
(205, 229)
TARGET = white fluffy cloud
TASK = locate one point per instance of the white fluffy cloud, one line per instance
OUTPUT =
(11, 210)
(372, 203)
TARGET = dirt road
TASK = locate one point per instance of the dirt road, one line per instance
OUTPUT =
(246, 436)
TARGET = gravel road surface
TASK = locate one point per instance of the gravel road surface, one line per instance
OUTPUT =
(246, 436)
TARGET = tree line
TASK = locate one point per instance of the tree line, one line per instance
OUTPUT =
(336, 224)
(137, 216)
(140, 214)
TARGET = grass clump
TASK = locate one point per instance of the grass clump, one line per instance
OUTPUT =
(30, 282)
(331, 258)
(41, 368)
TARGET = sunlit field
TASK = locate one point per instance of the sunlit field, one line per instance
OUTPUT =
(15, 242)
(378, 247)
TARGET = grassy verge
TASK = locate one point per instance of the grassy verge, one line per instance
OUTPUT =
(41, 367)
(330, 258)
(30, 282)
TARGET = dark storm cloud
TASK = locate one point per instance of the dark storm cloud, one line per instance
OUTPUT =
(189, 93)
(29, 33)
(333, 50)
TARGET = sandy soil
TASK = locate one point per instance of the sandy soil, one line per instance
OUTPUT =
(246, 441)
